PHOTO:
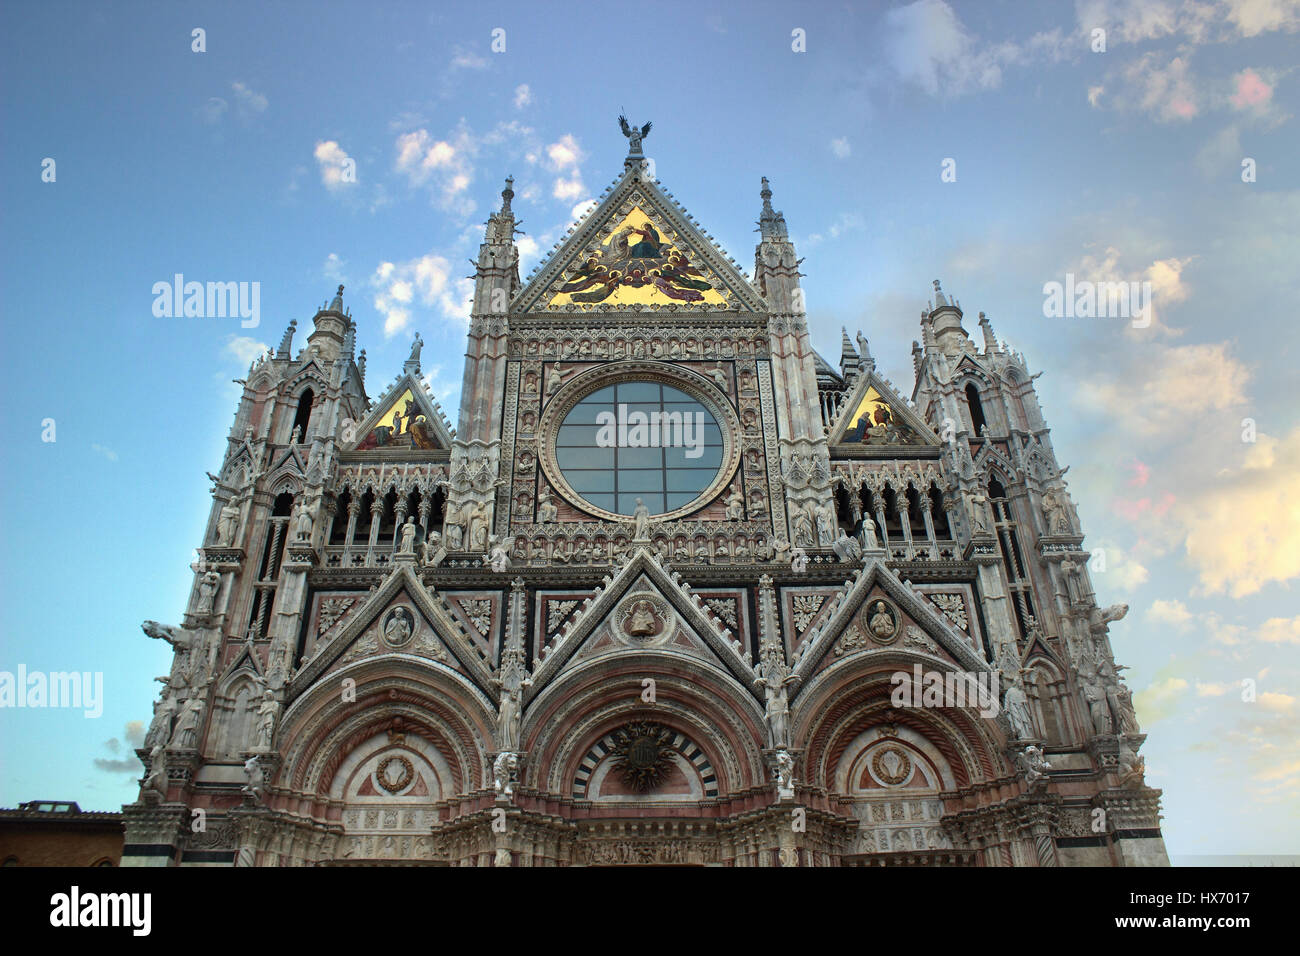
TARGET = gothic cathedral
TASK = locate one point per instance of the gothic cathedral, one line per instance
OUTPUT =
(674, 590)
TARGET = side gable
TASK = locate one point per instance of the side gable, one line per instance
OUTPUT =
(406, 417)
(875, 414)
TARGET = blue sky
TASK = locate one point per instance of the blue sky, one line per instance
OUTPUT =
(228, 165)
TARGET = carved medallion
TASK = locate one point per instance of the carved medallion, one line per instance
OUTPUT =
(643, 754)
(881, 621)
(394, 773)
(398, 627)
(644, 618)
(891, 766)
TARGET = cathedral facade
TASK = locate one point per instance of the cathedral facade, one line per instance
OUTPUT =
(673, 590)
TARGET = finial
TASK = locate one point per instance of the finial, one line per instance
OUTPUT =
(508, 194)
(939, 300)
(634, 136)
(287, 342)
(337, 304)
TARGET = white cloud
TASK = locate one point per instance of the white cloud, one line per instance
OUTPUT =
(927, 46)
(564, 153)
(247, 101)
(426, 281)
(245, 349)
(333, 267)
(106, 452)
(1174, 613)
(568, 188)
(840, 147)
(463, 59)
(1094, 95)
(447, 164)
(338, 170)
(523, 96)
(213, 110)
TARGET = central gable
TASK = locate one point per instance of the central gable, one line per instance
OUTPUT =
(638, 249)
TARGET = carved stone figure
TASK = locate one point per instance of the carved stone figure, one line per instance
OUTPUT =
(1132, 768)
(208, 586)
(480, 520)
(825, 526)
(546, 510)
(154, 788)
(736, 506)
(882, 622)
(267, 715)
(408, 536)
(505, 772)
(434, 552)
(847, 549)
(254, 780)
(1054, 511)
(784, 773)
(975, 508)
(869, 533)
(803, 530)
(227, 525)
(498, 556)
(554, 379)
(641, 519)
(304, 523)
(160, 728)
(1110, 615)
(415, 349)
(774, 677)
(1016, 704)
(186, 735)
(1034, 766)
(453, 529)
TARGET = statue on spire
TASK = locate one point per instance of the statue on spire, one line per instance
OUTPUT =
(633, 134)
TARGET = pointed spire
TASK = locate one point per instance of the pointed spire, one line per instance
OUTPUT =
(939, 300)
(771, 224)
(849, 359)
(916, 357)
(337, 304)
(361, 366)
(990, 341)
(286, 343)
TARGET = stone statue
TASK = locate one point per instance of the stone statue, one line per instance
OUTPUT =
(408, 536)
(633, 134)
(498, 556)
(825, 526)
(641, 520)
(1132, 768)
(227, 525)
(415, 349)
(774, 677)
(254, 780)
(505, 771)
(719, 377)
(784, 773)
(1016, 704)
(296, 437)
(736, 506)
(154, 788)
(642, 622)
(480, 520)
(803, 530)
(1034, 766)
(512, 682)
(554, 379)
(453, 529)
(975, 508)
(304, 525)
(869, 533)
(434, 552)
(186, 735)
(160, 728)
(1054, 511)
(780, 549)
(267, 714)
(208, 586)
(1110, 615)
(546, 510)
(1097, 708)
(847, 549)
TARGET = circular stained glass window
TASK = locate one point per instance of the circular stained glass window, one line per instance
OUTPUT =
(639, 439)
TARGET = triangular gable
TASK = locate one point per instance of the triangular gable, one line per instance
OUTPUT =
(694, 613)
(876, 415)
(405, 418)
(450, 633)
(849, 602)
(638, 249)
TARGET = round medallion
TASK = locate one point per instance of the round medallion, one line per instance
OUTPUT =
(398, 627)
(644, 619)
(643, 754)
(891, 766)
(394, 773)
(881, 621)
